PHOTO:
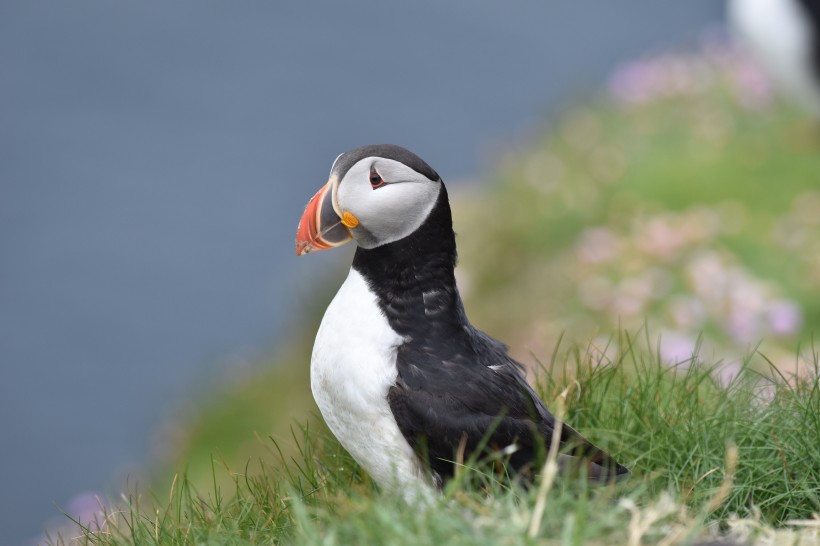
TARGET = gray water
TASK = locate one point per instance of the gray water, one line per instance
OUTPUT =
(155, 157)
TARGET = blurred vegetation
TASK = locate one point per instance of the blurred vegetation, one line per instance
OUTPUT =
(687, 200)
(684, 206)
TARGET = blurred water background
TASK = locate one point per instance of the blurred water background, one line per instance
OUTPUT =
(155, 158)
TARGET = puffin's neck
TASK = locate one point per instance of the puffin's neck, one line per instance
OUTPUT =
(812, 10)
(414, 278)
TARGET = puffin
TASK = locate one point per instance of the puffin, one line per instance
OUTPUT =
(402, 379)
(784, 36)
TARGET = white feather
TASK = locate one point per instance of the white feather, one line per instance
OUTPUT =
(352, 368)
(778, 33)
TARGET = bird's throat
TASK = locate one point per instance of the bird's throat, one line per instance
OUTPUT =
(414, 279)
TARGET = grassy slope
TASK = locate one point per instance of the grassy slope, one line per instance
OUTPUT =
(674, 428)
(666, 167)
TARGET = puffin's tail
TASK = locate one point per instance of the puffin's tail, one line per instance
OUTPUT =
(605, 469)
(585, 458)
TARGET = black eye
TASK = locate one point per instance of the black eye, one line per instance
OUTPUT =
(376, 180)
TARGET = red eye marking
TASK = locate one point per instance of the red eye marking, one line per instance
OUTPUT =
(376, 180)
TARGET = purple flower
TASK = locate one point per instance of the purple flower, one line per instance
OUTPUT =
(727, 373)
(677, 347)
(784, 317)
(634, 83)
(87, 508)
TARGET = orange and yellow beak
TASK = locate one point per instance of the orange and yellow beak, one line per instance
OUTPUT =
(321, 227)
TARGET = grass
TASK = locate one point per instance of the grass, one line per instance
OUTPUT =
(675, 427)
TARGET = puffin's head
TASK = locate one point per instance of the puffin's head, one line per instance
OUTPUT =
(376, 195)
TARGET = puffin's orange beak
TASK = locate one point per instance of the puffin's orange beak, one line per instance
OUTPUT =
(320, 227)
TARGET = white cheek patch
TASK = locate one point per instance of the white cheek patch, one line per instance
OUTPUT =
(402, 208)
(390, 212)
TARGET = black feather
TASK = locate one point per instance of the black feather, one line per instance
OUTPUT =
(456, 384)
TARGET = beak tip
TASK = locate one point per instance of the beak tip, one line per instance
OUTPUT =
(320, 228)
(303, 247)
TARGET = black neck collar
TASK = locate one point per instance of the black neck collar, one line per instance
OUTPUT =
(414, 279)
(812, 13)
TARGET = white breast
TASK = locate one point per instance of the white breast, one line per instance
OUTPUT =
(780, 36)
(352, 368)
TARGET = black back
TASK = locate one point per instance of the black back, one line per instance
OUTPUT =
(455, 384)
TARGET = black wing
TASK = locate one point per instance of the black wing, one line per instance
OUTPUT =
(472, 393)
